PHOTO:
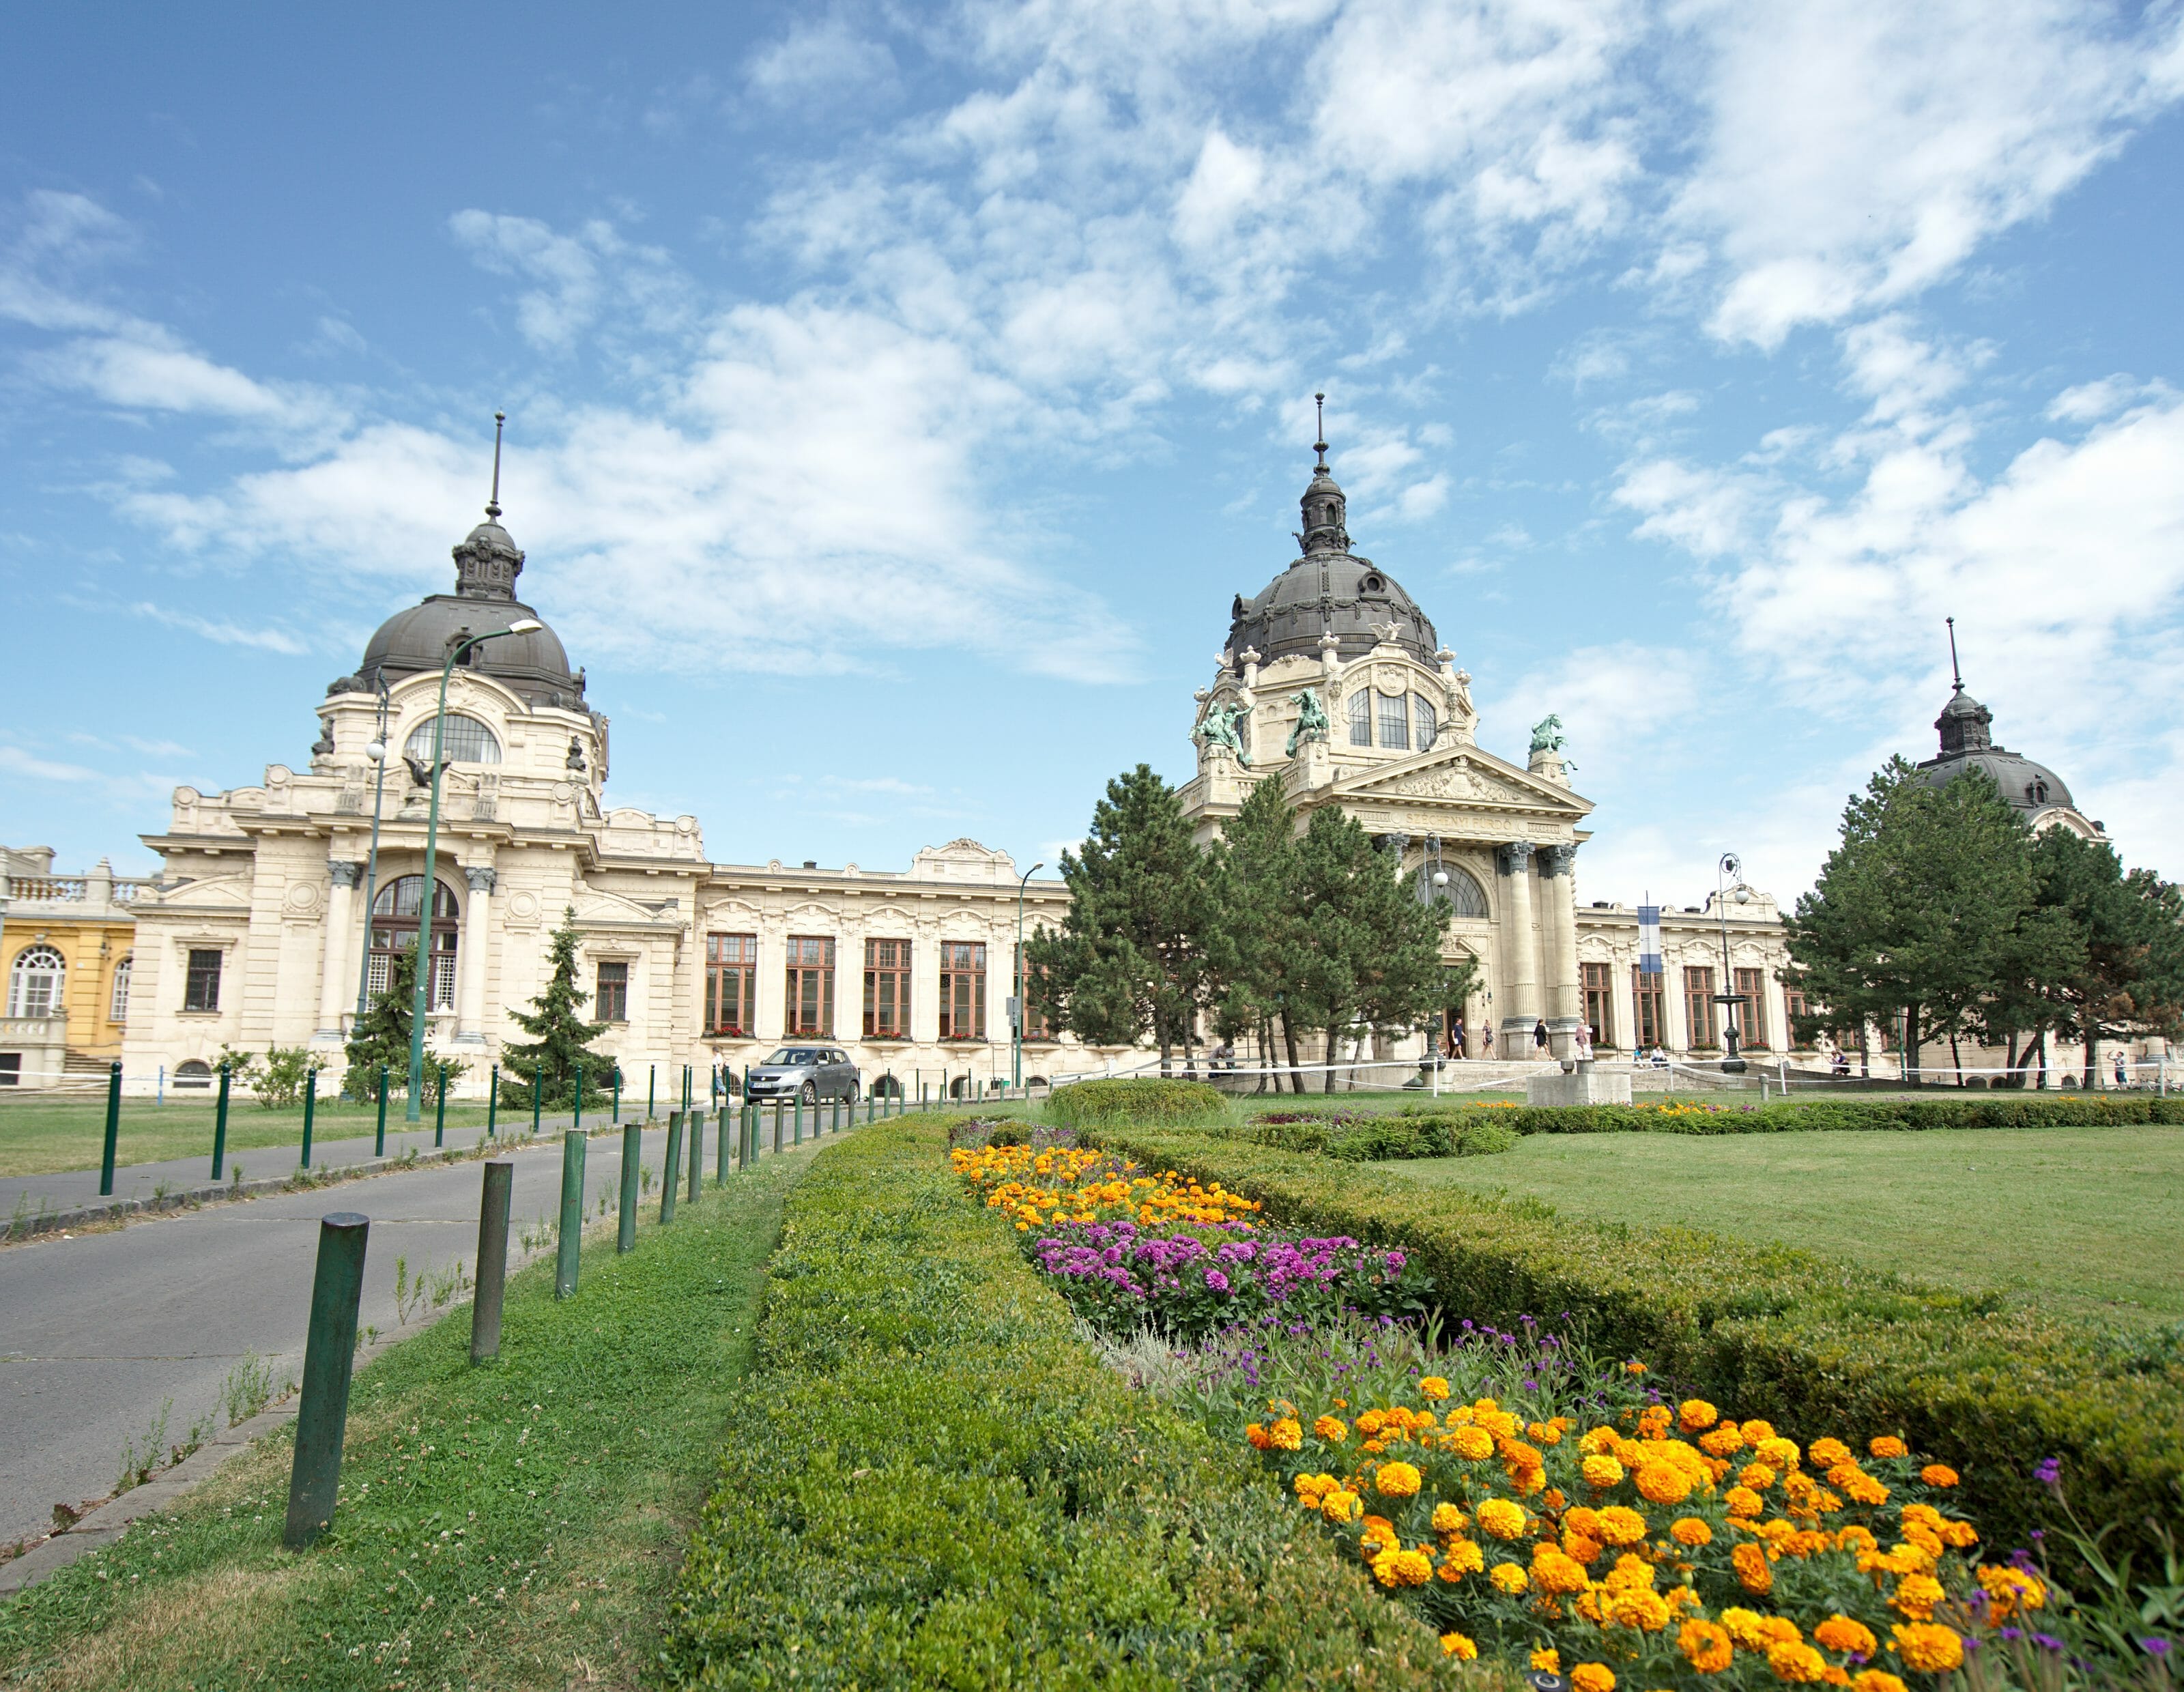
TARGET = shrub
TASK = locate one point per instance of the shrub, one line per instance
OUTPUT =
(1088, 1103)
(1991, 1388)
(1374, 1139)
(1705, 1116)
(931, 1482)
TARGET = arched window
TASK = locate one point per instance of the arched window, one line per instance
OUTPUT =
(465, 740)
(34, 985)
(1429, 720)
(1462, 892)
(117, 1010)
(394, 929)
(1396, 722)
(195, 1073)
(1361, 717)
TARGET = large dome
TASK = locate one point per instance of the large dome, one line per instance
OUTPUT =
(1968, 744)
(1329, 590)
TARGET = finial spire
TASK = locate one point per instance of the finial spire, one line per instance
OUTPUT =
(1319, 408)
(492, 504)
(1956, 676)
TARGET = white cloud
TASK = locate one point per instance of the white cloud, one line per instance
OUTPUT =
(224, 632)
(821, 59)
(21, 763)
(575, 278)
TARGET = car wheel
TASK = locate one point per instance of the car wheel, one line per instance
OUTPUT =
(853, 1095)
(810, 1094)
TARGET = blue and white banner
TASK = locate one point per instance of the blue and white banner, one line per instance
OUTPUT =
(1649, 940)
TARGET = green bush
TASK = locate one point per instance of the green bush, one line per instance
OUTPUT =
(1816, 1345)
(1705, 1116)
(930, 1482)
(1091, 1104)
(1379, 1139)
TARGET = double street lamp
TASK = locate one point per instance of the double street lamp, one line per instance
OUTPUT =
(1017, 1018)
(1731, 869)
(462, 643)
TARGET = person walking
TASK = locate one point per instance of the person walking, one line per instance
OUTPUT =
(1486, 1040)
(1455, 1048)
(1540, 1037)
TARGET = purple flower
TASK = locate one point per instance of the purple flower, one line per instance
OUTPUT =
(1216, 1281)
(2046, 1642)
(2049, 1472)
(1396, 1259)
(2155, 1647)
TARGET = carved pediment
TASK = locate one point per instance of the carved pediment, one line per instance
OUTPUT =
(1465, 777)
(595, 907)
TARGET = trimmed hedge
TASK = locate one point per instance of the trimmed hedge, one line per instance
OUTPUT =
(1824, 1115)
(930, 1481)
(1475, 1134)
(1815, 1345)
(1097, 1104)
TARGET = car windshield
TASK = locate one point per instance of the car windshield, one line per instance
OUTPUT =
(794, 1054)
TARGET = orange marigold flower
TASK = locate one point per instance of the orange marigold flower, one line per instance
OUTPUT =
(1596, 1676)
(1448, 1519)
(1331, 1429)
(1596, 1439)
(1724, 1441)
(1501, 1518)
(1641, 1608)
(1633, 1367)
(1916, 1595)
(1875, 1680)
(1464, 1557)
(1602, 1471)
(1662, 1483)
(1545, 1433)
(1341, 1505)
(1371, 1422)
(1582, 1548)
(1696, 1414)
(1856, 1538)
(1961, 1534)
(1458, 1646)
(1434, 1387)
(1756, 1476)
(1558, 1574)
(1798, 1664)
(1548, 1661)
(1863, 1489)
(1286, 1435)
(1887, 1445)
(1258, 1435)
(1621, 1526)
(1474, 1444)
(1742, 1501)
(1399, 1568)
(1827, 1453)
(1928, 1647)
(1690, 1530)
(1841, 1634)
(1396, 1480)
(1705, 1646)
(1938, 1474)
(1753, 1573)
(1778, 1453)
(1509, 1578)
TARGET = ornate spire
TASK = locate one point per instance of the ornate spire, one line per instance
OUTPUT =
(1319, 410)
(1323, 503)
(492, 499)
(487, 562)
(1965, 724)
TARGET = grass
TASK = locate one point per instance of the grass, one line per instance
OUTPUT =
(2084, 1220)
(515, 1525)
(43, 1136)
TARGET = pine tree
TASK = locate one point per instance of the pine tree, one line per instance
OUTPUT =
(560, 1038)
(381, 1035)
(1130, 957)
(1250, 877)
(2124, 972)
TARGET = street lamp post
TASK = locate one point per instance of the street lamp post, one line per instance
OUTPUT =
(456, 648)
(377, 753)
(1016, 1063)
(1731, 869)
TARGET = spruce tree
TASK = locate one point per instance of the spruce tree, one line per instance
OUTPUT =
(1249, 941)
(560, 1038)
(381, 1035)
(2124, 972)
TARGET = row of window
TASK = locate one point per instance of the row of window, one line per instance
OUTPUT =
(1701, 1011)
(34, 985)
(1397, 716)
(732, 988)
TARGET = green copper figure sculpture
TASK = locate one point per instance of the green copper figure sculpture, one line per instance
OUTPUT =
(1219, 728)
(1312, 720)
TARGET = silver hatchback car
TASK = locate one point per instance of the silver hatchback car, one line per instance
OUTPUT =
(807, 1073)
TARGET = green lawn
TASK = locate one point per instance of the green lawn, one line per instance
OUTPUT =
(40, 1135)
(515, 1525)
(2084, 1219)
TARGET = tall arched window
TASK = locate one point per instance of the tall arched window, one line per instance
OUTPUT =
(465, 740)
(34, 985)
(1462, 891)
(394, 930)
(1361, 717)
(117, 1008)
(1428, 719)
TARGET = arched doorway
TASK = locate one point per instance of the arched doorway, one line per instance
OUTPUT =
(394, 929)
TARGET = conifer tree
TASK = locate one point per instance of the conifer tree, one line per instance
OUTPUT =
(2123, 972)
(560, 1038)
(1250, 942)
(381, 1035)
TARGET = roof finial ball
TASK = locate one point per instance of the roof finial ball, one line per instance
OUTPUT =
(492, 504)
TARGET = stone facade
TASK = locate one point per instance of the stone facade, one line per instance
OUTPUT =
(66, 969)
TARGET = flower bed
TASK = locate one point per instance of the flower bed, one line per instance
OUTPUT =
(1055, 1183)
(1708, 1116)
(1086, 1104)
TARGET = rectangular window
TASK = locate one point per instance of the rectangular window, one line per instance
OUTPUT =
(11, 1068)
(612, 1003)
(118, 1010)
(201, 985)
(1361, 717)
(1649, 1002)
(1038, 1020)
(1396, 721)
(730, 983)
(1793, 1003)
(1752, 1009)
(1429, 721)
(443, 971)
(1599, 1004)
(1699, 1008)
(886, 989)
(962, 990)
(811, 985)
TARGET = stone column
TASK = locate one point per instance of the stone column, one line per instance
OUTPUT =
(471, 959)
(1520, 956)
(338, 980)
(1558, 926)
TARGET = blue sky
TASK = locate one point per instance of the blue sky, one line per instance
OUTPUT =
(898, 394)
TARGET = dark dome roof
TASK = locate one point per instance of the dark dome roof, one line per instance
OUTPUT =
(1329, 588)
(1968, 744)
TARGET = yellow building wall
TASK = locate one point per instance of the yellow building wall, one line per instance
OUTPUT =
(91, 951)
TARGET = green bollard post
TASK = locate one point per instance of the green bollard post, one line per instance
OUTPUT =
(615, 1119)
(672, 1175)
(535, 1099)
(721, 1149)
(491, 1262)
(632, 1163)
(780, 1121)
(112, 1131)
(579, 1122)
(492, 1102)
(379, 1144)
(440, 1108)
(572, 1214)
(310, 1106)
(697, 1153)
(329, 1354)
(219, 1127)
(799, 1140)
(651, 1090)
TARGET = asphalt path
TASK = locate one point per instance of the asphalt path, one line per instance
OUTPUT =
(96, 1330)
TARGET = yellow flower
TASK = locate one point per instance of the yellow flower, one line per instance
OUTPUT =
(1456, 1645)
(1341, 1505)
(1662, 1483)
(1798, 1664)
(1621, 1526)
(1841, 1634)
(1474, 1444)
(1875, 1680)
(1396, 1480)
(1724, 1441)
(1755, 1431)
(1826, 1454)
(1641, 1608)
(1887, 1445)
(1432, 1386)
(1448, 1519)
(1399, 1567)
(1548, 1661)
(1689, 1530)
(1916, 1595)
(1695, 1414)
(1556, 1573)
(1928, 1647)
(1592, 1677)
(1756, 1476)
(1778, 1454)
(1742, 1501)
(1938, 1474)
(1705, 1646)
(1286, 1435)
(2010, 1591)
(1464, 1557)
(1509, 1578)
(1753, 1573)
(1602, 1471)
(1329, 1428)
(1501, 1518)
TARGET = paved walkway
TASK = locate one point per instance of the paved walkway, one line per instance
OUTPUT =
(96, 1330)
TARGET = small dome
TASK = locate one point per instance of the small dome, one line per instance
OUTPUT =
(1968, 744)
